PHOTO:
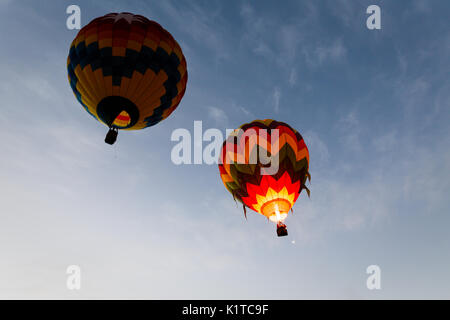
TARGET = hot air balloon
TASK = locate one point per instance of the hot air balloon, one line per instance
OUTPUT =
(264, 165)
(126, 71)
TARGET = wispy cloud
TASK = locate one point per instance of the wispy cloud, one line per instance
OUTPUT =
(255, 29)
(350, 129)
(346, 12)
(318, 149)
(276, 99)
(217, 114)
(325, 53)
(293, 77)
(206, 27)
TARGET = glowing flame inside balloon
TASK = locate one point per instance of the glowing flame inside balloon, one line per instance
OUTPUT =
(278, 216)
(277, 212)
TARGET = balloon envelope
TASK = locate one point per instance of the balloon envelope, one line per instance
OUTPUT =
(126, 71)
(264, 165)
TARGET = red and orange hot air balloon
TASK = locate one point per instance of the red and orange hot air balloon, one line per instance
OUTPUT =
(127, 71)
(264, 165)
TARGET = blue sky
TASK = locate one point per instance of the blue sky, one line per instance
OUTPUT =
(373, 107)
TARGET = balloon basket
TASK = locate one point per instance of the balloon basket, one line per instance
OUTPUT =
(111, 136)
(281, 230)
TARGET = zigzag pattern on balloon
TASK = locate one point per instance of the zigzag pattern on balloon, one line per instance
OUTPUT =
(248, 146)
(245, 176)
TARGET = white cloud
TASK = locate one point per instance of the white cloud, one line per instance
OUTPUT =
(263, 49)
(350, 130)
(293, 77)
(386, 142)
(217, 114)
(345, 11)
(206, 27)
(241, 109)
(402, 61)
(276, 99)
(332, 52)
(256, 28)
(290, 37)
(318, 149)
(421, 6)
(245, 111)
(411, 91)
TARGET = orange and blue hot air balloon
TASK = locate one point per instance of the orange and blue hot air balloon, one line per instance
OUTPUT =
(252, 179)
(126, 71)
